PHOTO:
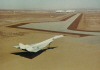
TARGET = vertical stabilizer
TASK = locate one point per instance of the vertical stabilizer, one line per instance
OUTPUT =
(22, 46)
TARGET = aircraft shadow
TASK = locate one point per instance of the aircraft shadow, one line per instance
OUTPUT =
(32, 55)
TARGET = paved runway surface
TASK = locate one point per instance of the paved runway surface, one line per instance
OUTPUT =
(52, 26)
(58, 26)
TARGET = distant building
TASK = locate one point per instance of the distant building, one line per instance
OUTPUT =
(70, 11)
(60, 11)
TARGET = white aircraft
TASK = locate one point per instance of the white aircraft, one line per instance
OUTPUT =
(38, 46)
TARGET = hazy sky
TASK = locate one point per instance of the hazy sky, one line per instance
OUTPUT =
(49, 4)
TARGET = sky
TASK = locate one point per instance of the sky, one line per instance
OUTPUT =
(49, 4)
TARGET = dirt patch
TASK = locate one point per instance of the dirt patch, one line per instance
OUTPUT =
(4, 34)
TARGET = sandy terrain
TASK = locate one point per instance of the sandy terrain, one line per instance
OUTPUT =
(90, 21)
(69, 55)
(26, 17)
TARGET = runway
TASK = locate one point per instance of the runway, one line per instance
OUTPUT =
(52, 26)
(57, 26)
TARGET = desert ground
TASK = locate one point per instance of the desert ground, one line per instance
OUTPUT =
(90, 22)
(72, 52)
